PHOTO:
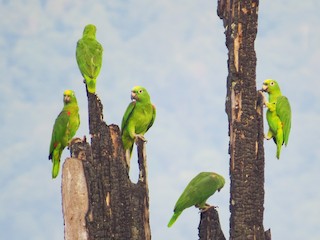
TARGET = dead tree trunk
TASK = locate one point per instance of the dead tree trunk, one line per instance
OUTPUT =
(240, 19)
(117, 208)
(209, 227)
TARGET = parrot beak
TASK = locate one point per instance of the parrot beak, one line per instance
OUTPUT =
(133, 96)
(264, 88)
(66, 98)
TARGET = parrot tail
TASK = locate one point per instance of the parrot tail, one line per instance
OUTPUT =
(56, 162)
(55, 168)
(91, 85)
(278, 150)
(174, 218)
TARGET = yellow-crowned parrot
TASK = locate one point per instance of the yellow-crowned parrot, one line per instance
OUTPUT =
(89, 57)
(65, 127)
(278, 114)
(137, 119)
(197, 192)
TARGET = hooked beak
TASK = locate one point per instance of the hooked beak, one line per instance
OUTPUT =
(66, 98)
(264, 88)
(133, 96)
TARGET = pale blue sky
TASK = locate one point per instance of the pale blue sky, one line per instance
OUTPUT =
(176, 49)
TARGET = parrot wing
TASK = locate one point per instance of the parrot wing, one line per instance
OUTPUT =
(59, 130)
(89, 57)
(198, 190)
(154, 112)
(73, 125)
(283, 110)
(127, 115)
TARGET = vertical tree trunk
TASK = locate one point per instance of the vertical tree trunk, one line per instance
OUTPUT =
(244, 110)
(117, 208)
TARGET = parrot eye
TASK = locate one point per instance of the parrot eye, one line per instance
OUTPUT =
(140, 91)
(271, 83)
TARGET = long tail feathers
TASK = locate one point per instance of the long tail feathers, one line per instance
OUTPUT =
(174, 218)
(55, 167)
(278, 150)
(91, 85)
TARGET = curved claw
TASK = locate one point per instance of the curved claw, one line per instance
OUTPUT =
(264, 98)
(74, 140)
(141, 137)
(206, 208)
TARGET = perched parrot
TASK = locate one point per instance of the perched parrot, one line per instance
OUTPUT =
(89, 57)
(278, 114)
(200, 188)
(137, 119)
(65, 127)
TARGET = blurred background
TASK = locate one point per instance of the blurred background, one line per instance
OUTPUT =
(176, 49)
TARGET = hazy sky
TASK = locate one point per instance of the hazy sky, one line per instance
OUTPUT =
(176, 49)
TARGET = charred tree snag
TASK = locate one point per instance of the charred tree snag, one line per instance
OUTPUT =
(209, 227)
(117, 208)
(244, 110)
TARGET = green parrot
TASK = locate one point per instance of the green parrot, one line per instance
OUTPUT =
(137, 119)
(89, 57)
(278, 114)
(197, 192)
(65, 127)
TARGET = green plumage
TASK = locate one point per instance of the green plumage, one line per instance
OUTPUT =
(278, 115)
(89, 57)
(197, 192)
(137, 119)
(65, 127)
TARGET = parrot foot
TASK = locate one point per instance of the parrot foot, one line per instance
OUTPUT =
(75, 140)
(141, 137)
(206, 208)
(264, 101)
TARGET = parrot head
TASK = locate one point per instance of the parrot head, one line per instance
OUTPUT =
(270, 86)
(90, 31)
(221, 183)
(139, 94)
(69, 97)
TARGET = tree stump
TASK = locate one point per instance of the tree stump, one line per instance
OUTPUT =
(116, 207)
(209, 227)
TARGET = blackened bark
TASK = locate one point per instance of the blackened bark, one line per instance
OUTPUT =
(244, 110)
(209, 227)
(117, 208)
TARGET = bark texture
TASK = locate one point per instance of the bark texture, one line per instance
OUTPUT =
(117, 208)
(244, 110)
(209, 227)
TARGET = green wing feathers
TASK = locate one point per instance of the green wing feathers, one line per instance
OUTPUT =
(137, 119)
(89, 57)
(154, 113)
(65, 127)
(58, 140)
(197, 192)
(283, 110)
(127, 115)
(278, 115)
(174, 218)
